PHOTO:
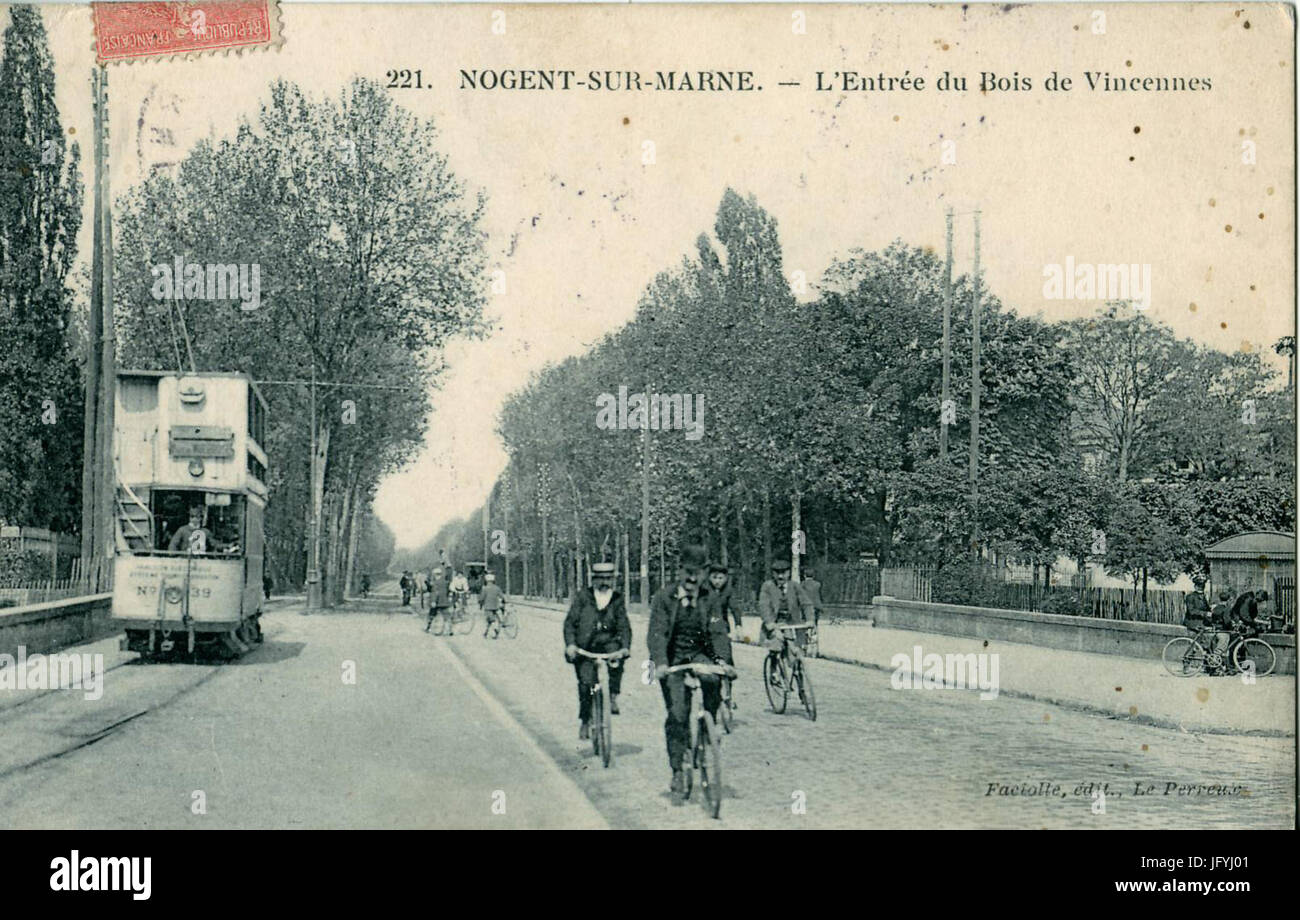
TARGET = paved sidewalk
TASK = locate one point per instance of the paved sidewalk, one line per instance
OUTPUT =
(1112, 685)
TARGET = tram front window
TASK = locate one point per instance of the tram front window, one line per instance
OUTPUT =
(198, 522)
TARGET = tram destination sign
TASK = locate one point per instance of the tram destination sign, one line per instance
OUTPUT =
(210, 441)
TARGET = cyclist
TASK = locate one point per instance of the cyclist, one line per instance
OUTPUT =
(781, 601)
(405, 582)
(491, 601)
(459, 589)
(439, 601)
(684, 628)
(596, 622)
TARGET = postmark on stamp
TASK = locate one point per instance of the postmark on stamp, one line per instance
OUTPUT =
(138, 31)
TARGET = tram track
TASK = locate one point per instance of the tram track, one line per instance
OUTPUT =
(63, 714)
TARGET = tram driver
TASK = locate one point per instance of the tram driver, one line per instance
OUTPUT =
(194, 537)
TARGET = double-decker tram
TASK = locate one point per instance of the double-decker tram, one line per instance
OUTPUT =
(190, 505)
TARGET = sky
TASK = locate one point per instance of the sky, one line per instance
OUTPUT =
(579, 223)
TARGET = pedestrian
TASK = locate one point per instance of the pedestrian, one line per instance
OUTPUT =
(723, 596)
(596, 622)
(440, 601)
(1196, 609)
(812, 590)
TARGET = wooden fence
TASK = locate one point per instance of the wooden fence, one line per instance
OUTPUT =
(96, 578)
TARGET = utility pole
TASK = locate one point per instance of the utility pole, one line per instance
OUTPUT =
(645, 512)
(90, 429)
(487, 502)
(975, 393)
(313, 535)
(98, 476)
(947, 343)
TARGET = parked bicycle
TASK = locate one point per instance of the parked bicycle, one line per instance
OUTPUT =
(785, 672)
(602, 718)
(1188, 656)
(706, 741)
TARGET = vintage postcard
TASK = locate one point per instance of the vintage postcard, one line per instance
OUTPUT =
(647, 416)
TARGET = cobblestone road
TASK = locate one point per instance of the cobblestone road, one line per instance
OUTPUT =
(436, 730)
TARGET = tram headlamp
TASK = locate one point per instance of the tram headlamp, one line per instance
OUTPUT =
(173, 595)
(196, 467)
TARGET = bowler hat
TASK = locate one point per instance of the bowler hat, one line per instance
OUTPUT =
(781, 565)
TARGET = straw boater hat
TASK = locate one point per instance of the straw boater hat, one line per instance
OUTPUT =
(602, 568)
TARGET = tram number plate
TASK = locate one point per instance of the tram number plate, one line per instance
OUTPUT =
(195, 590)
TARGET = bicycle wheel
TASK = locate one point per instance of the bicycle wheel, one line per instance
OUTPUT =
(606, 730)
(597, 711)
(1184, 657)
(724, 711)
(806, 695)
(774, 685)
(510, 624)
(708, 754)
(465, 621)
(1257, 651)
(440, 623)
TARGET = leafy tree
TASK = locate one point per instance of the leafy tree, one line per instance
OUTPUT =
(370, 257)
(40, 215)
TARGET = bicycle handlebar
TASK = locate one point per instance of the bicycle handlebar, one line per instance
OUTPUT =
(605, 655)
(792, 627)
(698, 668)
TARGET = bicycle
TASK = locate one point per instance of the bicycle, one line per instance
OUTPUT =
(506, 622)
(725, 714)
(1188, 656)
(784, 673)
(706, 743)
(456, 619)
(602, 718)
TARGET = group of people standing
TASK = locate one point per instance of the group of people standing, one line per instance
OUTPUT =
(690, 621)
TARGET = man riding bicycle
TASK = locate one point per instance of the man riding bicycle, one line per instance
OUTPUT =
(596, 622)
(459, 589)
(491, 600)
(781, 601)
(685, 628)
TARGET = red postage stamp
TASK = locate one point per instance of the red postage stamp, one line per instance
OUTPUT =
(135, 31)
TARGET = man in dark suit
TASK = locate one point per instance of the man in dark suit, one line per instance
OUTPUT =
(596, 622)
(685, 628)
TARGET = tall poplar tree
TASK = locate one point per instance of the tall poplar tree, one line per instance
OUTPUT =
(40, 214)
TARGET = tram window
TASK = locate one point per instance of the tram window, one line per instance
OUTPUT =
(171, 509)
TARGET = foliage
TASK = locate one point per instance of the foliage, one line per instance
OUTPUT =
(40, 214)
